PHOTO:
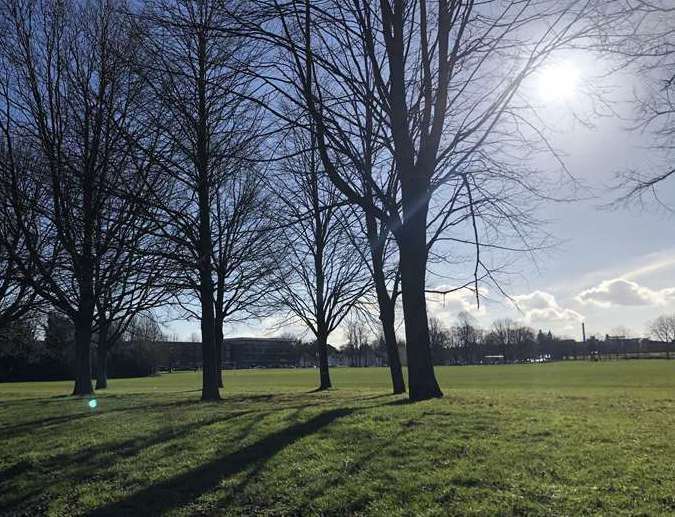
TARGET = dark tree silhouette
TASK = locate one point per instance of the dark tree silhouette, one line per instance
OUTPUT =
(202, 127)
(67, 91)
(245, 250)
(641, 38)
(663, 329)
(17, 297)
(321, 279)
(442, 81)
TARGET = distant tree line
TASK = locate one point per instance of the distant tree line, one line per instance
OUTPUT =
(143, 349)
(508, 341)
(309, 160)
(28, 352)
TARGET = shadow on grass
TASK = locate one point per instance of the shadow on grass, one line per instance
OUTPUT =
(31, 426)
(81, 465)
(23, 480)
(185, 488)
(37, 400)
(42, 424)
(134, 445)
(401, 402)
(24, 489)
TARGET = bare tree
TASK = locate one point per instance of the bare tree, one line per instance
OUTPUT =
(245, 250)
(642, 38)
(442, 81)
(516, 342)
(467, 336)
(439, 340)
(357, 341)
(144, 328)
(663, 329)
(202, 126)
(17, 297)
(319, 282)
(131, 282)
(379, 257)
(67, 90)
(502, 333)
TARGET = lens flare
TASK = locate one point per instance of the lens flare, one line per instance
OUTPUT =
(92, 403)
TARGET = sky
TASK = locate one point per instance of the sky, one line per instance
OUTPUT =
(613, 266)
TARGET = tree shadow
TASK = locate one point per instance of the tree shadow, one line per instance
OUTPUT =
(34, 425)
(133, 445)
(24, 488)
(401, 402)
(321, 390)
(38, 400)
(183, 489)
(81, 465)
(30, 426)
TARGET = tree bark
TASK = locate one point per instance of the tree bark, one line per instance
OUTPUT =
(83, 332)
(412, 245)
(102, 358)
(393, 357)
(385, 304)
(386, 307)
(219, 349)
(102, 368)
(209, 377)
(209, 366)
(324, 373)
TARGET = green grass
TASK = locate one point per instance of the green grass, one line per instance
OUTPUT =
(555, 439)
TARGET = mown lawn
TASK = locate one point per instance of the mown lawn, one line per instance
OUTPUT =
(555, 439)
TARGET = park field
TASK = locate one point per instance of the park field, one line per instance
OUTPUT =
(546, 439)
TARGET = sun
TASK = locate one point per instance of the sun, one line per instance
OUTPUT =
(558, 81)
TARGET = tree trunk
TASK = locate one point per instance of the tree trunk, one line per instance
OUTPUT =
(412, 245)
(393, 357)
(324, 373)
(219, 349)
(102, 368)
(102, 358)
(386, 306)
(209, 377)
(83, 325)
(208, 324)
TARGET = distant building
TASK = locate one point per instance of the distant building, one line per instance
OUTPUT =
(248, 352)
(178, 355)
(242, 352)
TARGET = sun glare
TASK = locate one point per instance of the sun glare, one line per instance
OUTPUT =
(558, 81)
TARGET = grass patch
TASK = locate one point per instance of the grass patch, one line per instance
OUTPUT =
(565, 438)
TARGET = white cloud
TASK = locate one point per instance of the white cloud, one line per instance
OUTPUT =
(542, 307)
(619, 291)
(658, 263)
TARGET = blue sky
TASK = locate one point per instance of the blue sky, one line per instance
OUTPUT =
(612, 267)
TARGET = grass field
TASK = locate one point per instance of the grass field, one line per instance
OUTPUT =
(553, 439)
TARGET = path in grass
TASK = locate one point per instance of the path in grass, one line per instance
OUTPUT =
(563, 438)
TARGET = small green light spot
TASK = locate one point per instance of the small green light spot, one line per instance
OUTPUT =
(93, 403)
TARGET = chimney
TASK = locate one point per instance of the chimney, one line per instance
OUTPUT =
(583, 332)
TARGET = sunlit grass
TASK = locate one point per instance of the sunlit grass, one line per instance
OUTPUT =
(563, 438)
